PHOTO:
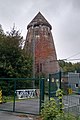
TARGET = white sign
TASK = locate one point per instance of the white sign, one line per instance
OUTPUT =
(26, 93)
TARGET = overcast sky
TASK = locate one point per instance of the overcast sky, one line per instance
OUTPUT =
(63, 15)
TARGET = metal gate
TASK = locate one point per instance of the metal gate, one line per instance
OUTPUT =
(23, 95)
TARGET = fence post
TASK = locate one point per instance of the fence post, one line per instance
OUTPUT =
(41, 92)
(60, 94)
(0, 95)
(60, 79)
(14, 95)
(49, 86)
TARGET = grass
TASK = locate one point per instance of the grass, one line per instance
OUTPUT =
(11, 99)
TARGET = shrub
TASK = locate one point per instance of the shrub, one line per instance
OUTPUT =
(50, 110)
(53, 111)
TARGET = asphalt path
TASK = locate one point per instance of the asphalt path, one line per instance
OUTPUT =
(32, 106)
(12, 116)
(26, 106)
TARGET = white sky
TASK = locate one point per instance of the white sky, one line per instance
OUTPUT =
(63, 15)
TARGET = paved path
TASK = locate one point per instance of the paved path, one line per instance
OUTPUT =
(26, 106)
(14, 116)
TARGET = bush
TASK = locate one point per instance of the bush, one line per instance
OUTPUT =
(51, 111)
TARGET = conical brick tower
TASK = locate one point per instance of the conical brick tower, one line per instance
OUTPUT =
(40, 44)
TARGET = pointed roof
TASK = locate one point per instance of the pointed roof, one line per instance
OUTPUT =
(39, 20)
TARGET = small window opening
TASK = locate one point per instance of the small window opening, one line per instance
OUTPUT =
(76, 85)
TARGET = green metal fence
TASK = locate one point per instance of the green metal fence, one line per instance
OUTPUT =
(54, 83)
(69, 83)
(20, 95)
(27, 95)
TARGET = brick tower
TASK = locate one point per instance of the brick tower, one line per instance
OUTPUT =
(40, 44)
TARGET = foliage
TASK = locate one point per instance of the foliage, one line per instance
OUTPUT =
(69, 67)
(59, 92)
(13, 60)
(50, 110)
(64, 116)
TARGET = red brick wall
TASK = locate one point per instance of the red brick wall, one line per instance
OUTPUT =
(45, 52)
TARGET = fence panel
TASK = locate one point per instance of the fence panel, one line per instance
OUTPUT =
(71, 89)
(70, 85)
(21, 95)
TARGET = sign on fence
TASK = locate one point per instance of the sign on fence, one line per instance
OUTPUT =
(70, 91)
(27, 93)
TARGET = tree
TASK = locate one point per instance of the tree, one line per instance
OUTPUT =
(77, 67)
(69, 67)
(13, 61)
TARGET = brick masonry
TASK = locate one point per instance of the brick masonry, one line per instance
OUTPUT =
(40, 44)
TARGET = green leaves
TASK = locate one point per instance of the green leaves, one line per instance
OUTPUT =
(69, 67)
(13, 60)
(50, 110)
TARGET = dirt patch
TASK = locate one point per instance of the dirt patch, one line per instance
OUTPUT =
(31, 117)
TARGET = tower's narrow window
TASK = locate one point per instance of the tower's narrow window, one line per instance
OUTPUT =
(37, 33)
(37, 66)
(40, 67)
